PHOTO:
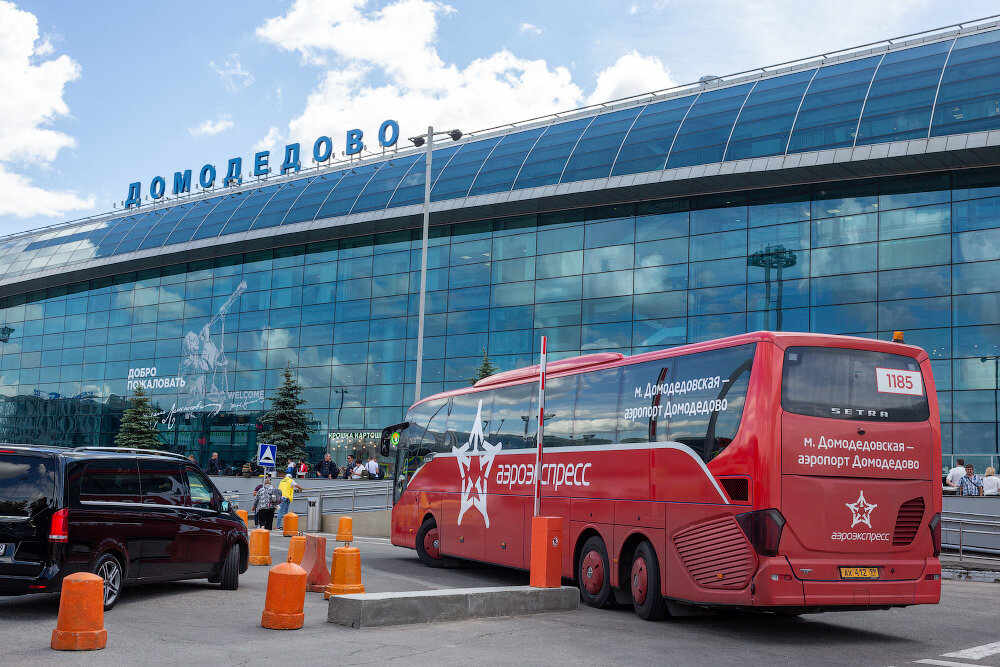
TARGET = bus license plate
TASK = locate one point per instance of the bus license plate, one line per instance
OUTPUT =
(859, 573)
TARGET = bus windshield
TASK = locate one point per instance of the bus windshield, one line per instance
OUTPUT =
(840, 383)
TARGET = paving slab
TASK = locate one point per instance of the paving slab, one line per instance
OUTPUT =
(371, 610)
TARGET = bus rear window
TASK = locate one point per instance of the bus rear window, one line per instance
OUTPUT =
(840, 383)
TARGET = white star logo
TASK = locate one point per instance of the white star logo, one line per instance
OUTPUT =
(861, 510)
(474, 466)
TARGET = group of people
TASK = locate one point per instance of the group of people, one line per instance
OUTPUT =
(268, 499)
(964, 478)
(327, 469)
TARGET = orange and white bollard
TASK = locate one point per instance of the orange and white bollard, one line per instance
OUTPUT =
(80, 626)
(296, 549)
(290, 524)
(285, 599)
(243, 515)
(260, 547)
(345, 570)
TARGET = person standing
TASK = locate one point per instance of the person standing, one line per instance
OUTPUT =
(349, 467)
(971, 484)
(287, 487)
(956, 474)
(373, 469)
(991, 483)
(214, 467)
(263, 504)
(326, 468)
(290, 468)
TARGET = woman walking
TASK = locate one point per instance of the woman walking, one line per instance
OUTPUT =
(263, 504)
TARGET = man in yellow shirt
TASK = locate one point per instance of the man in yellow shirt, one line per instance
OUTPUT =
(287, 488)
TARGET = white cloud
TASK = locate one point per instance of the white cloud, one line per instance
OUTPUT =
(234, 77)
(633, 9)
(525, 28)
(384, 63)
(270, 141)
(31, 99)
(632, 74)
(209, 127)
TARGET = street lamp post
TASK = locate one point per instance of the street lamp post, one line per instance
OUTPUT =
(772, 257)
(419, 141)
(996, 386)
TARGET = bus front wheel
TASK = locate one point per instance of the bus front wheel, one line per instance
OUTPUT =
(645, 584)
(593, 574)
(429, 544)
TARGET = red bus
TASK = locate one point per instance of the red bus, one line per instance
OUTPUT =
(785, 472)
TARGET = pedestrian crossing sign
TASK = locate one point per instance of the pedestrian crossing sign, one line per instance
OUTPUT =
(266, 454)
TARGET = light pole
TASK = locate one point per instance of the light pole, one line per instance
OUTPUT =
(996, 385)
(772, 257)
(419, 141)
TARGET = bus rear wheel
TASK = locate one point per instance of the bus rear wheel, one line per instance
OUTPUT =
(593, 575)
(429, 544)
(645, 584)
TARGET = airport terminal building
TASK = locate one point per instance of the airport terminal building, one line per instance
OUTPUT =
(854, 193)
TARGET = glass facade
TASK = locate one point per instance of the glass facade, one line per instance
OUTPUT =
(210, 338)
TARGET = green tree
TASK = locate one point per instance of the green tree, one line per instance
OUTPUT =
(485, 369)
(137, 428)
(289, 423)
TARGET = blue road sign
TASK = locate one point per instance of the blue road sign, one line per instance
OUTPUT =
(266, 454)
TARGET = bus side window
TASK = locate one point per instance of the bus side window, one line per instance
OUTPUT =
(511, 415)
(594, 422)
(462, 419)
(560, 403)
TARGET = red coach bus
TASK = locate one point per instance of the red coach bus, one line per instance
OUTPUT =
(786, 472)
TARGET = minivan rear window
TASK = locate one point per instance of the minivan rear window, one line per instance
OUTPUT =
(162, 483)
(27, 484)
(110, 482)
(840, 383)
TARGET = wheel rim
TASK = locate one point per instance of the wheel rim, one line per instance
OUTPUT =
(640, 580)
(112, 575)
(592, 572)
(432, 543)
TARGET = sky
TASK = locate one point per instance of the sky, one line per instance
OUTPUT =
(94, 96)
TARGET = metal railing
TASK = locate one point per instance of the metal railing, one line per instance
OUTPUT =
(966, 525)
(359, 497)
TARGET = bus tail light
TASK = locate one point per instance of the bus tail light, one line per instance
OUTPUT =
(59, 531)
(935, 526)
(763, 530)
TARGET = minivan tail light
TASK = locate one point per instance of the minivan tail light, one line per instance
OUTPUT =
(763, 530)
(59, 532)
(935, 526)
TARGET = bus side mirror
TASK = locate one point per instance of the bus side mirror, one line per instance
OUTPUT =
(390, 437)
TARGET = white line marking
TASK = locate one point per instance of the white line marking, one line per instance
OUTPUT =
(945, 663)
(976, 652)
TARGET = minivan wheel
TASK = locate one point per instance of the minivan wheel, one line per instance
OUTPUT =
(230, 579)
(109, 568)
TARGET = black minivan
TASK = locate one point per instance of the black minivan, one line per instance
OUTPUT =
(130, 516)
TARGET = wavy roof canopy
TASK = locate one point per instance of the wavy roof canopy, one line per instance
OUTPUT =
(946, 87)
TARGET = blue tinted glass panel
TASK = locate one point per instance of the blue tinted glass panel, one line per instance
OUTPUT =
(969, 98)
(546, 160)
(312, 197)
(164, 226)
(648, 142)
(216, 220)
(244, 216)
(107, 245)
(594, 155)
(275, 210)
(766, 119)
(376, 194)
(902, 94)
(703, 136)
(830, 110)
(138, 232)
(342, 198)
(411, 188)
(501, 167)
(185, 229)
(457, 177)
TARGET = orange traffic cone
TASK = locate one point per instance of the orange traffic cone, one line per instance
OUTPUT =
(243, 515)
(285, 599)
(290, 524)
(296, 549)
(345, 570)
(80, 626)
(260, 547)
(314, 563)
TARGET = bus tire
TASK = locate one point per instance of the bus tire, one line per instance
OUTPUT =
(644, 582)
(593, 573)
(429, 544)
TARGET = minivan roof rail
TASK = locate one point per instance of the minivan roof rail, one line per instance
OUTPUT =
(132, 450)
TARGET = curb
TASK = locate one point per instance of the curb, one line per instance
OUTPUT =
(971, 575)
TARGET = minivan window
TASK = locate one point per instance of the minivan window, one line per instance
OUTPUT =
(110, 482)
(27, 484)
(201, 490)
(162, 483)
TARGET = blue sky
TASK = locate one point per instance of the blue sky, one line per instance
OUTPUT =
(94, 96)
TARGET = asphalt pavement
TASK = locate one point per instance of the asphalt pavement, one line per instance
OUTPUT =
(195, 623)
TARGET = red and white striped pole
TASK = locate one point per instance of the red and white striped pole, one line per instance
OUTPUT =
(541, 426)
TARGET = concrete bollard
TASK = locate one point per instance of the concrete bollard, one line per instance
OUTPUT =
(285, 599)
(290, 524)
(546, 552)
(296, 549)
(260, 547)
(80, 626)
(314, 563)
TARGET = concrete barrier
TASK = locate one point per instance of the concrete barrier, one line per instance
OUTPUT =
(366, 524)
(371, 610)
